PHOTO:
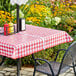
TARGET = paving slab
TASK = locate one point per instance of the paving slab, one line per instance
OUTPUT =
(26, 71)
(1, 75)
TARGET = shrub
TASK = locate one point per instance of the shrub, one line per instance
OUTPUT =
(5, 17)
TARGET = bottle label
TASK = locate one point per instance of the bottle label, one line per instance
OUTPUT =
(23, 24)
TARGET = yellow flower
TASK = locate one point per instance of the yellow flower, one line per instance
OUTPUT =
(56, 7)
(33, 19)
(73, 6)
(9, 19)
(37, 2)
(66, 1)
(55, 13)
(12, 17)
(65, 10)
(51, 6)
(15, 21)
(5, 16)
(60, 12)
(3, 20)
(39, 10)
(25, 6)
(67, 4)
(41, 2)
(1, 11)
(31, 1)
(38, 23)
(0, 16)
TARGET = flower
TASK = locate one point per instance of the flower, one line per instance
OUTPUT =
(32, 19)
(39, 10)
(47, 20)
(58, 20)
(5, 17)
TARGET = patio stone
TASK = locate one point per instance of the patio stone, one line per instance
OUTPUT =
(13, 74)
(1, 68)
(42, 75)
(72, 71)
(1, 75)
(28, 69)
(39, 74)
(69, 70)
(29, 73)
(69, 74)
(25, 71)
(22, 75)
(7, 73)
(63, 74)
(3, 72)
(9, 69)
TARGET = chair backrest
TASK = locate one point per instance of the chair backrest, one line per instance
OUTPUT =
(71, 54)
(72, 49)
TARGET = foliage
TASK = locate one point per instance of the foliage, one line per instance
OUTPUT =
(73, 7)
(5, 17)
(14, 14)
(43, 13)
(6, 6)
(74, 15)
(36, 13)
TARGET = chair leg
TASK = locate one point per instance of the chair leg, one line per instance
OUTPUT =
(18, 67)
(34, 69)
(34, 64)
(34, 72)
(20, 64)
(74, 69)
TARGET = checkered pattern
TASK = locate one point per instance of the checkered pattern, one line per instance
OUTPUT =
(32, 40)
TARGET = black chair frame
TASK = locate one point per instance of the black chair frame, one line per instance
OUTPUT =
(51, 69)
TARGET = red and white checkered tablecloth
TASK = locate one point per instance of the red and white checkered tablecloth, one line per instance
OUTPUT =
(32, 40)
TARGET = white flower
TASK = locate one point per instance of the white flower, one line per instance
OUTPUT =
(58, 20)
(47, 20)
(19, 2)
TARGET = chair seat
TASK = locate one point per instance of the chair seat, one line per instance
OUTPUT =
(44, 68)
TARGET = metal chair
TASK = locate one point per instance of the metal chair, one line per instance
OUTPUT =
(54, 68)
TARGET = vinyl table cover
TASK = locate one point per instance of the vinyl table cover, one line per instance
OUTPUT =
(30, 41)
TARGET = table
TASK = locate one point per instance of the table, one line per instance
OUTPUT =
(32, 40)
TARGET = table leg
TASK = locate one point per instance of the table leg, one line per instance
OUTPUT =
(2, 58)
(18, 67)
(20, 64)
